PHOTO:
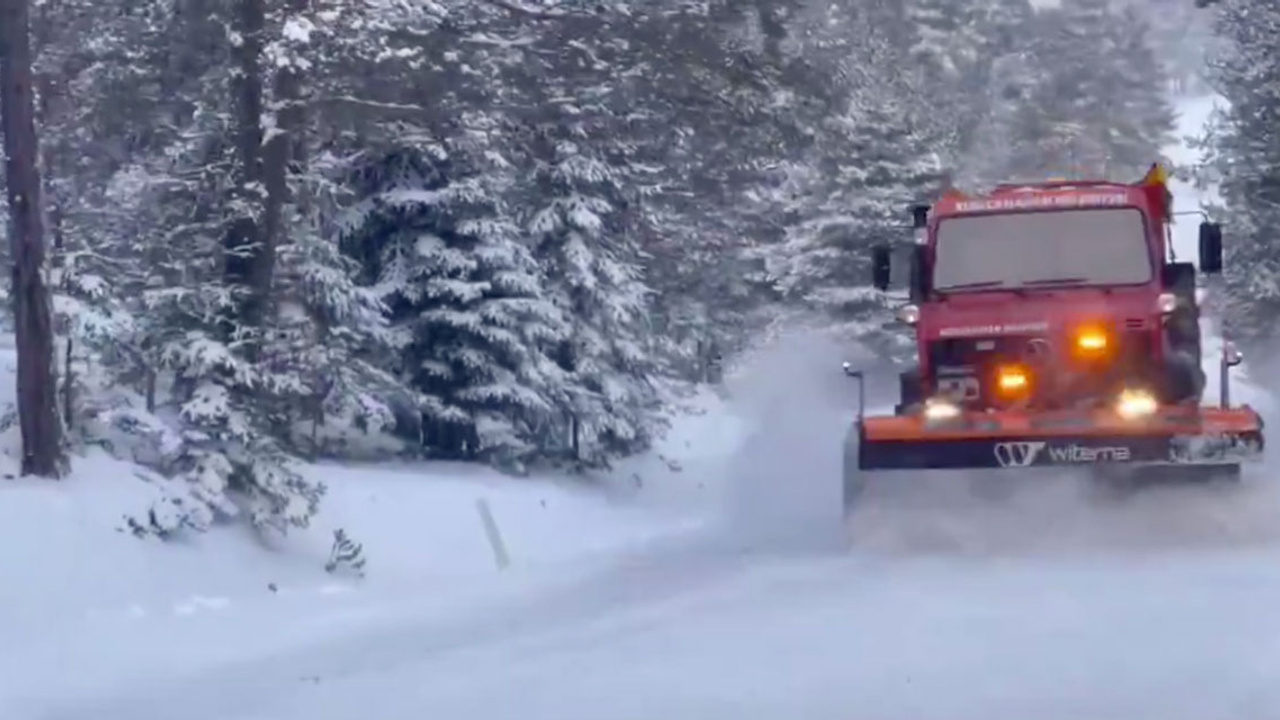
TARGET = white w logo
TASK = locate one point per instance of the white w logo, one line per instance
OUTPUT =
(1018, 454)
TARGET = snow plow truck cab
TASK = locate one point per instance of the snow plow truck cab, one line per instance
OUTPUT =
(1054, 326)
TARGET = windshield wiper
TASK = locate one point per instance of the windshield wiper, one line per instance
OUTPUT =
(972, 285)
(1056, 281)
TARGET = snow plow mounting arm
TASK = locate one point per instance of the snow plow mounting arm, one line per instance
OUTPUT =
(862, 389)
(1231, 357)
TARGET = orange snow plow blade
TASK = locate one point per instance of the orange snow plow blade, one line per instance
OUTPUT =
(1020, 439)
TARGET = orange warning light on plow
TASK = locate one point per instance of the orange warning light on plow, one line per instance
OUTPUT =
(1012, 380)
(1092, 340)
(1091, 343)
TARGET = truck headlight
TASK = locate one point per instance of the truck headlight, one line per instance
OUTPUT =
(1166, 303)
(938, 409)
(909, 314)
(1136, 404)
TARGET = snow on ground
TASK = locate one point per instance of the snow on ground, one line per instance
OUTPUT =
(823, 639)
(627, 604)
(85, 606)
(1067, 617)
(79, 596)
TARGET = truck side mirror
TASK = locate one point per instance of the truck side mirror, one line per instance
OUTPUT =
(881, 265)
(1210, 248)
(919, 216)
(919, 273)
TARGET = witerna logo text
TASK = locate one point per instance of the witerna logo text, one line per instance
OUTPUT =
(1024, 454)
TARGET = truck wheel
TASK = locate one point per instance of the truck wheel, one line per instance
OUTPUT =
(1183, 331)
(1184, 378)
(910, 391)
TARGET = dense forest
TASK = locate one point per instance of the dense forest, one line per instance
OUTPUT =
(512, 233)
(1242, 147)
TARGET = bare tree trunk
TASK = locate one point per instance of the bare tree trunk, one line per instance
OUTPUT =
(285, 149)
(262, 267)
(33, 319)
(277, 152)
(285, 155)
(244, 242)
(50, 95)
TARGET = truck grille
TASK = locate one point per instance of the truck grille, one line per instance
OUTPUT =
(962, 367)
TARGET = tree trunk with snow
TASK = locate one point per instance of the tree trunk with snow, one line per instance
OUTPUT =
(250, 253)
(282, 149)
(33, 318)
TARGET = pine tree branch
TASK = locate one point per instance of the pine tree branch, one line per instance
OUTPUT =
(372, 104)
(521, 10)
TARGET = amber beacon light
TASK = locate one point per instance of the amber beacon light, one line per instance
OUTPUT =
(1091, 341)
(1012, 380)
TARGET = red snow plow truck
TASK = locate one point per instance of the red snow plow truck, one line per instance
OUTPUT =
(1054, 327)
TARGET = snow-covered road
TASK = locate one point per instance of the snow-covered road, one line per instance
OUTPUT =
(1041, 605)
(1193, 637)
(1171, 629)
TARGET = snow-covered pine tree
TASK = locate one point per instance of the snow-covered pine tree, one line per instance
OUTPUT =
(1182, 38)
(1245, 156)
(996, 146)
(326, 339)
(879, 168)
(875, 156)
(85, 229)
(950, 51)
(701, 75)
(466, 295)
(948, 37)
(1076, 50)
(711, 119)
(159, 228)
(206, 403)
(1146, 119)
(1102, 108)
(590, 125)
(586, 245)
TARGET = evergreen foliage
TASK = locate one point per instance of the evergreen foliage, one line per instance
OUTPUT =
(510, 233)
(1244, 158)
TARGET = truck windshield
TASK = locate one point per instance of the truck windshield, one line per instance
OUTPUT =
(1040, 249)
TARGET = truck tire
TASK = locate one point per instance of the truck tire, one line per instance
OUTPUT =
(910, 391)
(1184, 378)
(1182, 330)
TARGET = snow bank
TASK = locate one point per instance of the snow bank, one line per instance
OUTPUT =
(417, 526)
(424, 524)
(85, 606)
